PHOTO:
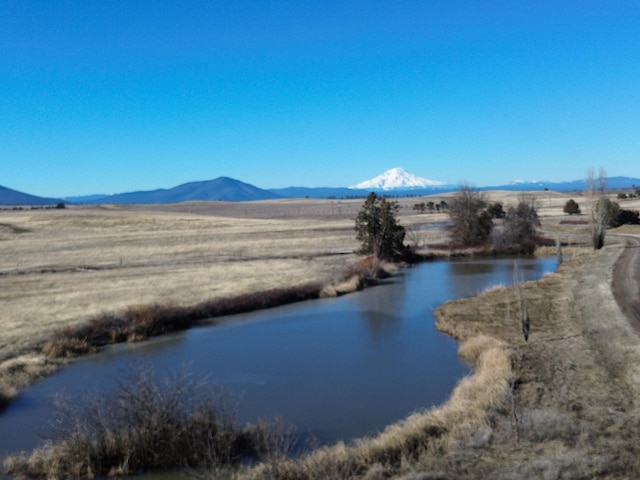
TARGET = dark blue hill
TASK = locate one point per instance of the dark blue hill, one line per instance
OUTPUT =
(221, 189)
(14, 197)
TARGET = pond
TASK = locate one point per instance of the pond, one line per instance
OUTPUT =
(339, 368)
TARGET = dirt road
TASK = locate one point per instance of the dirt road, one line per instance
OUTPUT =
(626, 280)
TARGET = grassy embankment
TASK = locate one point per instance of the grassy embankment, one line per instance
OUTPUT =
(145, 423)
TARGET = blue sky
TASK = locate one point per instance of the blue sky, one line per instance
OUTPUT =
(122, 95)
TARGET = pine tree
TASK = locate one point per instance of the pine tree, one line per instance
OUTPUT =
(378, 229)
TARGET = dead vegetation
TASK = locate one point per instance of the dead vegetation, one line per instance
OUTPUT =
(575, 380)
(148, 423)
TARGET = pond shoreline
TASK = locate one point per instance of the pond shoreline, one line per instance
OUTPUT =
(141, 322)
(562, 404)
(504, 277)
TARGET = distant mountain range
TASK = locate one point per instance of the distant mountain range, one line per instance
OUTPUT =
(395, 182)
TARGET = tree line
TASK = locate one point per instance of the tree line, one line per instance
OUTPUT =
(473, 221)
(472, 225)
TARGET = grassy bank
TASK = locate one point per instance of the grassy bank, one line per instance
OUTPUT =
(423, 441)
(140, 271)
(138, 323)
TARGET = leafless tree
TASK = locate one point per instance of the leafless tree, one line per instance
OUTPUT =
(520, 228)
(417, 236)
(595, 189)
(472, 224)
(521, 298)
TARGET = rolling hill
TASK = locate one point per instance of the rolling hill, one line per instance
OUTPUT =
(221, 189)
(14, 197)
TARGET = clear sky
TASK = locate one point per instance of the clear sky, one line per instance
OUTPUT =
(109, 96)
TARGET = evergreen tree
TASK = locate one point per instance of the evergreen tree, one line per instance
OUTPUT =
(571, 207)
(378, 230)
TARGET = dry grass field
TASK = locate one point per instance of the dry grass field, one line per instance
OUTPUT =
(61, 267)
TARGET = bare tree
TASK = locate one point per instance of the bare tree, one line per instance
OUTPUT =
(472, 224)
(595, 189)
(417, 236)
(520, 228)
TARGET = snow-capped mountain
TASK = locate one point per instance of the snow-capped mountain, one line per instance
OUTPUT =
(397, 178)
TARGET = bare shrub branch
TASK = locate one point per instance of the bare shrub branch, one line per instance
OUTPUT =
(149, 423)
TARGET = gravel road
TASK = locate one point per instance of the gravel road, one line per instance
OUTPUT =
(626, 280)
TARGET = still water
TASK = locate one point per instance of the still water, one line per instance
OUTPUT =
(338, 368)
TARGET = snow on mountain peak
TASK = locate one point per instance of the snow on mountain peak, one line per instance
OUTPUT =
(397, 178)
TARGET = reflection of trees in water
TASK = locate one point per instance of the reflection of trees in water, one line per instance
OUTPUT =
(470, 277)
(381, 308)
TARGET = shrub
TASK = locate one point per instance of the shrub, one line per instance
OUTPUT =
(624, 217)
(472, 224)
(571, 207)
(420, 207)
(519, 231)
(147, 423)
(496, 210)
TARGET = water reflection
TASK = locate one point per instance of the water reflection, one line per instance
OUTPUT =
(380, 311)
(469, 277)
